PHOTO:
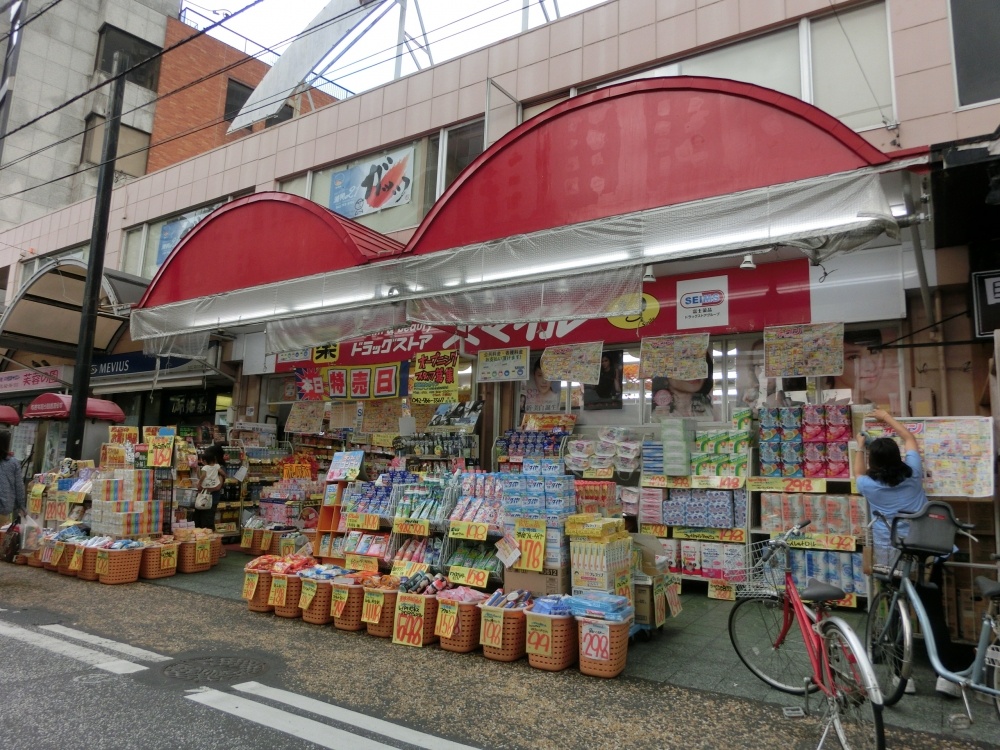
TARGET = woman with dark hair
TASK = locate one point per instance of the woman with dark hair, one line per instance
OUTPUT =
(12, 499)
(892, 484)
(684, 398)
(212, 476)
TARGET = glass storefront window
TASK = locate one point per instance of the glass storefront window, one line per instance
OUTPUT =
(147, 246)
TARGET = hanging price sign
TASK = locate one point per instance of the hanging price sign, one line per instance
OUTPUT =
(77, 562)
(265, 540)
(447, 619)
(721, 590)
(595, 641)
(623, 585)
(371, 610)
(57, 553)
(674, 596)
(538, 640)
(279, 591)
(402, 568)
(653, 480)
(286, 546)
(368, 521)
(736, 536)
(477, 532)
(250, 584)
(656, 529)
(246, 538)
(607, 472)
(203, 552)
(530, 536)
(476, 577)
(338, 600)
(168, 556)
(362, 562)
(836, 542)
(35, 499)
(851, 600)
(491, 627)
(101, 564)
(307, 594)
(412, 526)
(659, 603)
(408, 627)
(785, 484)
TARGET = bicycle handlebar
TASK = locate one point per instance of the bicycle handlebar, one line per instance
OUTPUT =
(782, 541)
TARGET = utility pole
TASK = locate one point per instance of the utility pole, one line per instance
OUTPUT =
(95, 264)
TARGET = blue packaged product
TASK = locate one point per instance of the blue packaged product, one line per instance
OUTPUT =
(769, 417)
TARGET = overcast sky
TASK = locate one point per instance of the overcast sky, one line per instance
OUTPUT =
(453, 28)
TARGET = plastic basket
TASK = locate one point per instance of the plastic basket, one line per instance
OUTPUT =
(150, 567)
(89, 570)
(64, 561)
(123, 566)
(617, 649)
(763, 577)
(20, 559)
(512, 640)
(318, 611)
(465, 637)
(350, 617)
(255, 550)
(186, 559)
(258, 602)
(387, 619)
(216, 550)
(293, 588)
(564, 644)
(35, 559)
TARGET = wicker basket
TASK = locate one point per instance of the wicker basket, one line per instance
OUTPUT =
(88, 572)
(617, 649)
(255, 549)
(64, 561)
(20, 559)
(186, 559)
(318, 611)
(216, 553)
(465, 637)
(123, 566)
(387, 619)
(35, 559)
(150, 567)
(293, 588)
(512, 640)
(564, 650)
(350, 617)
(258, 603)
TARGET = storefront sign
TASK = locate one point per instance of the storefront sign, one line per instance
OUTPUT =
(408, 627)
(435, 377)
(447, 619)
(30, 380)
(373, 185)
(500, 365)
(703, 302)
(351, 383)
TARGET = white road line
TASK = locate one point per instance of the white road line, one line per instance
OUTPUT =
(122, 648)
(85, 655)
(283, 721)
(346, 716)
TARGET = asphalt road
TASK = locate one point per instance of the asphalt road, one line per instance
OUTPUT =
(208, 673)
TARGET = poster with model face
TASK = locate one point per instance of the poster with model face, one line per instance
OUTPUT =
(540, 394)
(674, 397)
(607, 392)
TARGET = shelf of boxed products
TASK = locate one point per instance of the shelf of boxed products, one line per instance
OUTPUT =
(420, 524)
(689, 456)
(615, 452)
(542, 450)
(319, 447)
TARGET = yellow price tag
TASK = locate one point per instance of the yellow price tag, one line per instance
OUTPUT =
(408, 626)
(168, 556)
(308, 593)
(491, 627)
(364, 521)
(265, 540)
(279, 591)
(362, 562)
(77, 562)
(57, 553)
(246, 538)
(659, 604)
(447, 619)
(476, 577)
(371, 610)
(623, 585)
(411, 526)
(538, 640)
(656, 529)
(785, 484)
(286, 546)
(735, 536)
(721, 590)
(477, 532)
(530, 536)
(203, 551)
(338, 600)
(250, 584)
(101, 563)
(402, 568)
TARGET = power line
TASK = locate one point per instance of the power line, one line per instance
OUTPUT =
(48, 7)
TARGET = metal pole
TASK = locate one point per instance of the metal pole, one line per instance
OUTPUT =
(95, 263)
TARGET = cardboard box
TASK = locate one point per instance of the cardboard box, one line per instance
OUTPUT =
(549, 581)
(644, 604)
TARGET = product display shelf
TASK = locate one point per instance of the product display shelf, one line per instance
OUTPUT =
(320, 447)
(505, 462)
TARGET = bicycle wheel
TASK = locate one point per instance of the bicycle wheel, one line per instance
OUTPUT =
(854, 712)
(995, 669)
(755, 627)
(889, 640)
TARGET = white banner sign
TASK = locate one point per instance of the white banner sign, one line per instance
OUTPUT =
(29, 380)
(703, 303)
(499, 365)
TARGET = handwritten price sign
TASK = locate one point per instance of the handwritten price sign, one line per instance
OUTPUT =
(246, 538)
(57, 553)
(659, 603)
(307, 594)
(737, 536)
(203, 552)
(721, 590)
(595, 641)
(279, 591)
(491, 627)
(530, 536)
(367, 521)
(77, 562)
(168, 556)
(362, 562)
(101, 564)
(538, 640)
(623, 585)
(371, 609)
(408, 628)
(674, 597)
(338, 600)
(447, 619)
(656, 529)
(785, 484)
(250, 584)
(477, 532)
(607, 472)
(476, 577)
(836, 542)
(286, 546)
(401, 568)
(265, 540)
(412, 526)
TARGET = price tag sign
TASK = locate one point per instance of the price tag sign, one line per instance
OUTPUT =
(717, 483)
(286, 546)
(659, 603)
(168, 556)
(653, 480)
(101, 563)
(35, 499)
(673, 585)
(203, 551)
(608, 472)
(491, 627)
(476, 577)
(246, 538)
(447, 619)
(338, 600)
(76, 563)
(721, 590)
(530, 536)
(402, 568)
(408, 627)
(57, 553)
(307, 594)
(412, 526)
(656, 529)
(623, 585)
(836, 542)
(367, 521)
(279, 591)
(595, 641)
(362, 562)
(538, 640)
(785, 484)
(851, 601)
(265, 540)
(371, 609)
(250, 584)
(477, 532)
(736, 536)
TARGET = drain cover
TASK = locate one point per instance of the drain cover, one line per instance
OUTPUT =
(214, 669)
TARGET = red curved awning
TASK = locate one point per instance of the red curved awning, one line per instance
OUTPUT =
(636, 146)
(57, 406)
(9, 415)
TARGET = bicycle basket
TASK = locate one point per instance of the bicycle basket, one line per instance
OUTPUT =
(931, 531)
(763, 577)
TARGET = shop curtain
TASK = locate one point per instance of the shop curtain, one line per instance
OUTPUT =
(330, 328)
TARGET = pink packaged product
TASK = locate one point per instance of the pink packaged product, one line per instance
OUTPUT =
(734, 562)
(813, 433)
(837, 451)
(838, 514)
(814, 508)
(712, 562)
(838, 414)
(838, 470)
(814, 451)
(793, 452)
(814, 414)
(858, 514)
(791, 509)
(770, 511)
(690, 557)
(814, 469)
(838, 433)
(672, 551)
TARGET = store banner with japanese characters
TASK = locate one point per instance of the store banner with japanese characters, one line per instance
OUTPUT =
(500, 365)
(373, 184)
(351, 383)
(435, 377)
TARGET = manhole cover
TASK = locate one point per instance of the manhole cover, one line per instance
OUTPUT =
(214, 669)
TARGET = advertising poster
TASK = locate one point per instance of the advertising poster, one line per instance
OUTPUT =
(373, 185)
(804, 350)
(681, 357)
(435, 377)
(351, 383)
(122, 434)
(574, 362)
(382, 416)
(306, 417)
(500, 365)
(541, 395)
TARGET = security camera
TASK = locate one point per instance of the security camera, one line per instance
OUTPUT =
(748, 263)
(648, 276)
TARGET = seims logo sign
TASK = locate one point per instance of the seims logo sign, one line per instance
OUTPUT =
(703, 299)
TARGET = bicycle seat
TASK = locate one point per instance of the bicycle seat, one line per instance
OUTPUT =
(817, 591)
(989, 589)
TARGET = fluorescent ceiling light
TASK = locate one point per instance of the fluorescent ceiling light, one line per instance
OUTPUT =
(553, 267)
(249, 316)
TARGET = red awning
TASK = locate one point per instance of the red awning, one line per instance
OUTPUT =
(57, 406)
(8, 415)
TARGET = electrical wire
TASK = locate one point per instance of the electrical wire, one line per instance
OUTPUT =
(871, 89)
(50, 6)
